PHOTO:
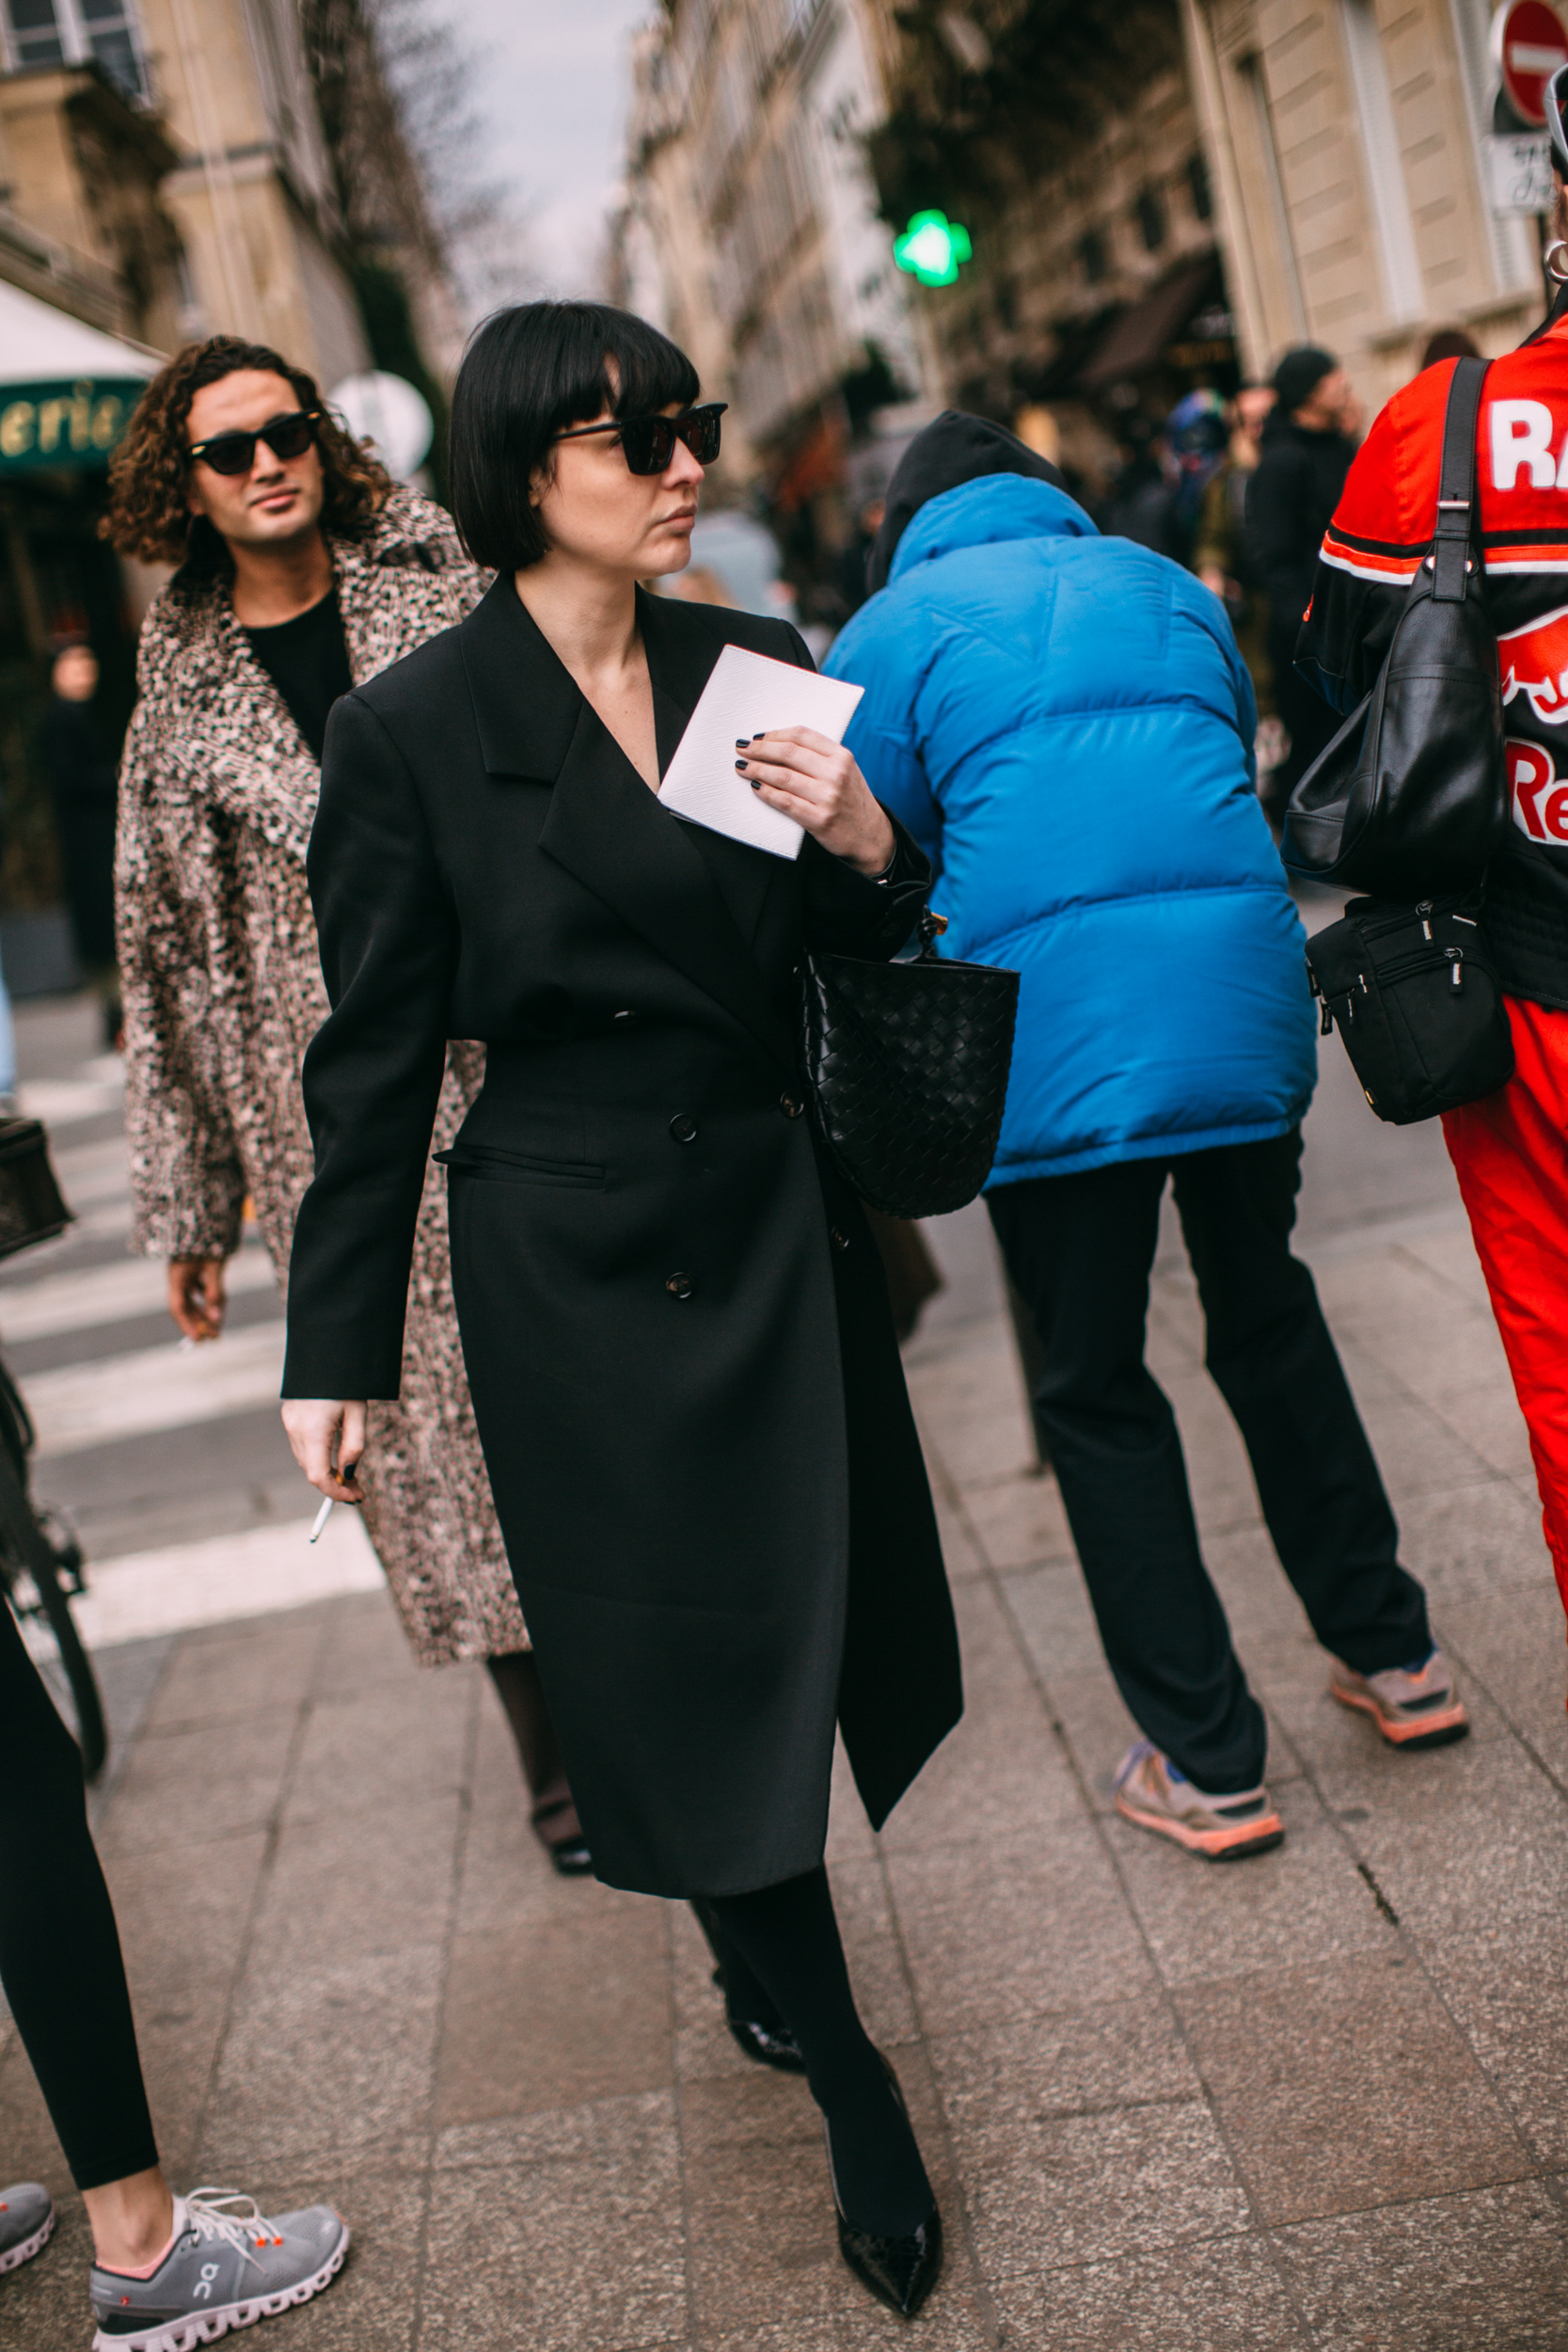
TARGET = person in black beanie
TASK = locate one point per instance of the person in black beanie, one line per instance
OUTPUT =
(1308, 443)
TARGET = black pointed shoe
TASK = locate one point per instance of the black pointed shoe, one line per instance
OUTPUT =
(768, 2045)
(899, 2271)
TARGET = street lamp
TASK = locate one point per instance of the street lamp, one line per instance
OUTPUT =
(933, 248)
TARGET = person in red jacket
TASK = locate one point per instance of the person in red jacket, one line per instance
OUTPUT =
(1510, 1151)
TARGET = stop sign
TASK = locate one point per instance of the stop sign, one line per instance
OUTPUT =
(1528, 42)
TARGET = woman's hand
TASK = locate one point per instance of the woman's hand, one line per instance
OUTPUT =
(196, 1296)
(815, 781)
(324, 1430)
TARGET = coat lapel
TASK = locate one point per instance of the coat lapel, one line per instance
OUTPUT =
(604, 826)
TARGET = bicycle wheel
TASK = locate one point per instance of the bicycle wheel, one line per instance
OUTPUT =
(29, 1547)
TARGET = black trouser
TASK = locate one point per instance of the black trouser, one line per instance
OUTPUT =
(1080, 1249)
(553, 1812)
(59, 1949)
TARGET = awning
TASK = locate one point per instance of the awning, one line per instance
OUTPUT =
(66, 389)
(1059, 378)
(1136, 341)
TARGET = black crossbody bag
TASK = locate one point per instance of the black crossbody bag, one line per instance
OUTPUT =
(1410, 801)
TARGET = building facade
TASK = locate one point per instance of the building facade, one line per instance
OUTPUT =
(1169, 196)
(171, 170)
(751, 232)
(1347, 146)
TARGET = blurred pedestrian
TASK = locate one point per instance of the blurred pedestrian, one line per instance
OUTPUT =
(1308, 444)
(302, 568)
(80, 767)
(166, 2269)
(1448, 343)
(1220, 556)
(1198, 436)
(683, 1366)
(1063, 723)
(1510, 1151)
(1140, 504)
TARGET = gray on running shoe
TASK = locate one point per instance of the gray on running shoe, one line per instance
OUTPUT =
(26, 2218)
(228, 2264)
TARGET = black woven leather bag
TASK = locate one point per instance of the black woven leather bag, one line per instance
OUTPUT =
(1410, 798)
(908, 1065)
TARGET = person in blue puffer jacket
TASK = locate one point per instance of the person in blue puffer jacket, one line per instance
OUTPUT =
(1065, 725)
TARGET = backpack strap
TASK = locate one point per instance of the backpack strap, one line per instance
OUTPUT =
(1456, 491)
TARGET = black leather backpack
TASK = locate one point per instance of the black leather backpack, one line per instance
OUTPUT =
(1410, 798)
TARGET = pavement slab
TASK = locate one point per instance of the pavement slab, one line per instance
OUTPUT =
(1317, 2102)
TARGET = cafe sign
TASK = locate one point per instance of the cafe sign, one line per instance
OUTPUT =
(73, 422)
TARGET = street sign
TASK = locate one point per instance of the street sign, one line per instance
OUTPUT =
(933, 248)
(1529, 40)
(1519, 171)
(65, 422)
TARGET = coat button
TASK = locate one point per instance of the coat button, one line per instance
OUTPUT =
(791, 1106)
(841, 1239)
(679, 1285)
(683, 1128)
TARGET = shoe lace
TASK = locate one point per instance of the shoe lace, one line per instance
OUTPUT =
(234, 2219)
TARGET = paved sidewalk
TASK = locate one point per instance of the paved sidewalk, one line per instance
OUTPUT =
(1318, 2098)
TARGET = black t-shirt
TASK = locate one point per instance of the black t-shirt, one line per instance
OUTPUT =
(307, 659)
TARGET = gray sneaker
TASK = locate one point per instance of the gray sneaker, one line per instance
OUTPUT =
(26, 2218)
(227, 2265)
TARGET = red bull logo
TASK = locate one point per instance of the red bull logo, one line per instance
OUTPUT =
(1534, 660)
(1539, 801)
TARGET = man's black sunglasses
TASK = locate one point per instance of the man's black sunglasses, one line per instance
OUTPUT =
(235, 453)
(649, 442)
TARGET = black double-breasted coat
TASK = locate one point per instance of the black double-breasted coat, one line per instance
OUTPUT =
(673, 1316)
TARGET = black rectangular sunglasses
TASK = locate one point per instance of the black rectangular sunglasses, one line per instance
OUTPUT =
(235, 453)
(649, 442)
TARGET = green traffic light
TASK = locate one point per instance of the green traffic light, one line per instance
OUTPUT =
(933, 248)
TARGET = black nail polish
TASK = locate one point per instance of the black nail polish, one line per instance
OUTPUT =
(760, 733)
(741, 741)
(755, 783)
(740, 767)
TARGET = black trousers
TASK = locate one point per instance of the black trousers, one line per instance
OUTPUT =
(59, 1949)
(1080, 1249)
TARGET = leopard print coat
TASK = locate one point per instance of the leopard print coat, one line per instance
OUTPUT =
(223, 991)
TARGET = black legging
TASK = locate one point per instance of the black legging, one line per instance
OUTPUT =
(59, 1949)
(787, 1939)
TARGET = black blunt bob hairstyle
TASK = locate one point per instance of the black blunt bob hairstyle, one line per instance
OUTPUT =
(533, 372)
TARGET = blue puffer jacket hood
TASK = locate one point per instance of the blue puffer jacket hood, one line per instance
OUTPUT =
(1065, 725)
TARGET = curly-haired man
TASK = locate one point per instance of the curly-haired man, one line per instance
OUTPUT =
(302, 570)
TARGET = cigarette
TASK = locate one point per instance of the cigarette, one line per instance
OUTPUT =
(322, 1518)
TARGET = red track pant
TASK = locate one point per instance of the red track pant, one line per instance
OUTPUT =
(1510, 1152)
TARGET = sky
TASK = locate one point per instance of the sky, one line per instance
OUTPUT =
(555, 93)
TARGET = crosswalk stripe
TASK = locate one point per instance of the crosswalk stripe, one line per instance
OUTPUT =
(222, 1577)
(110, 1294)
(65, 1102)
(154, 1388)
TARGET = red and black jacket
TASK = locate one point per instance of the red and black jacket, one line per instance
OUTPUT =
(1381, 532)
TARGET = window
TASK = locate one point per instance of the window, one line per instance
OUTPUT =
(1149, 214)
(70, 32)
(34, 34)
(111, 39)
(1198, 189)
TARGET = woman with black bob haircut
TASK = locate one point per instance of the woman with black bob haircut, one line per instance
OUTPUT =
(673, 1316)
